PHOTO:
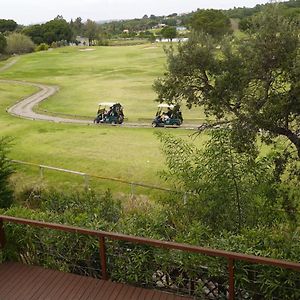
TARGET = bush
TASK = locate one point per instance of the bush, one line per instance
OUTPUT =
(6, 169)
(42, 47)
(18, 43)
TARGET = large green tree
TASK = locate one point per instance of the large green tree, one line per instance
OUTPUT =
(211, 21)
(169, 32)
(7, 25)
(35, 32)
(56, 30)
(91, 30)
(253, 83)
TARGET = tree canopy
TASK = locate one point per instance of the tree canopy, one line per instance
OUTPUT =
(7, 25)
(55, 30)
(169, 32)
(211, 21)
(252, 83)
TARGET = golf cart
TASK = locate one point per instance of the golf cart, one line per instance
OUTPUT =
(167, 115)
(109, 113)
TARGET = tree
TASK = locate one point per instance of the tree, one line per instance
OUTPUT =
(90, 30)
(3, 43)
(211, 21)
(6, 169)
(7, 25)
(36, 33)
(77, 26)
(56, 30)
(169, 33)
(227, 190)
(18, 43)
(254, 83)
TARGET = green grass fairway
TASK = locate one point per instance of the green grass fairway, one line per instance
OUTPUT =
(85, 78)
(128, 153)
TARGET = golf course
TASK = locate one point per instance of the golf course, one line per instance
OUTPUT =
(84, 77)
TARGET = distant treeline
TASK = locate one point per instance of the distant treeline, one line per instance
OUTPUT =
(59, 32)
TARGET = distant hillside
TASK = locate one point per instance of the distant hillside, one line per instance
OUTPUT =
(290, 8)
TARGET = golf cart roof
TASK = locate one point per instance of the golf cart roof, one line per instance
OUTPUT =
(164, 105)
(107, 103)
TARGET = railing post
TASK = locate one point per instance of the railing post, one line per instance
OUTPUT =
(102, 252)
(2, 235)
(231, 278)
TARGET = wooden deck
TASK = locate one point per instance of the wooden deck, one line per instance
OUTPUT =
(18, 281)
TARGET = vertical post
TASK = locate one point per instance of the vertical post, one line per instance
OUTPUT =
(185, 198)
(132, 189)
(102, 253)
(2, 235)
(231, 278)
(41, 172)
(86, 181)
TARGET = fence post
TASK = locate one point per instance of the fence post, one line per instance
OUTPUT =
(102, 252)
(41, 172)
(231, 278)
(86, 181)
(132, 189)
(2, 235)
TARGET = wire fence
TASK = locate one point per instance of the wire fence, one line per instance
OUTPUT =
(87, 178)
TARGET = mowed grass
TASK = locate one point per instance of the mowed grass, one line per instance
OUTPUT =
(124, 74)
(126, 153)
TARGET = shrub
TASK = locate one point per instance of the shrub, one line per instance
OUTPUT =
(18, 43)
(228, 190)
(42, 47)
(6, 169)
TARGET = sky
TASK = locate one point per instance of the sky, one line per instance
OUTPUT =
(28, 12)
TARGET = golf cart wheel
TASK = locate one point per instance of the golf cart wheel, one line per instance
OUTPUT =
(154, 124)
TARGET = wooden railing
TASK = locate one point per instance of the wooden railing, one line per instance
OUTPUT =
(103, 235)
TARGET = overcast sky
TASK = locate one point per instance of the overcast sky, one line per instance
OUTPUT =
(36, 11)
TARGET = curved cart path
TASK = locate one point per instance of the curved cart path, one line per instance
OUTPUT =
(24, 108)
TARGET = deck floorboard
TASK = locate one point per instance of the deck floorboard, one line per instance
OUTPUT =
(18, 281)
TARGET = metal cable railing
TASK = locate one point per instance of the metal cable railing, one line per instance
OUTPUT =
(185, 269)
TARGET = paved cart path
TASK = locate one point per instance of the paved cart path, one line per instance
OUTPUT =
(25, 107)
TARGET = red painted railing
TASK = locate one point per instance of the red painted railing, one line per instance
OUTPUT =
(102, 235)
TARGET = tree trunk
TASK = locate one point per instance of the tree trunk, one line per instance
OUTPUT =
(293, 137)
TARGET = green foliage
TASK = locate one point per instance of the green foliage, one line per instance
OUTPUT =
(35, 32)
(169, 32)
(213, 22)
(18, 43)
(90, 30)
(7, 25)
(3, 43)
(42, 47)
(55, 30)
(6, 169)
(252, 83)
(227, 190)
